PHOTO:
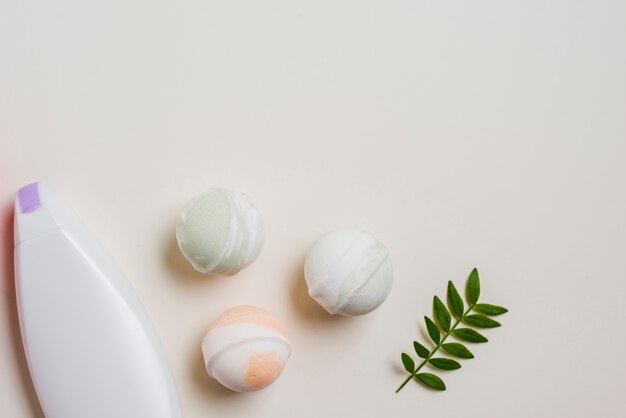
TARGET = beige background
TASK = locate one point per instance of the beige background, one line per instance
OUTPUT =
(482, 133)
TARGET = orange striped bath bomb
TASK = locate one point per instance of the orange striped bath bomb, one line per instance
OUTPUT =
(246, 348)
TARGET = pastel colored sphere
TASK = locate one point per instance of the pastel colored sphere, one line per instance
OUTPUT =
(220, 232)
(348, 272)
(246, 348)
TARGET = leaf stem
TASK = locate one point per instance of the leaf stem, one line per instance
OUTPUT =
(423, 363)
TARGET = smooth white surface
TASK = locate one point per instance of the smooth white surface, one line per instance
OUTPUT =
(462, 134)
(89, 344)
(348, 272)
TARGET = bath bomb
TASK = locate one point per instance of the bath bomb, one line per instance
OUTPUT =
(246, 348)
(348, 272)
(220, 232)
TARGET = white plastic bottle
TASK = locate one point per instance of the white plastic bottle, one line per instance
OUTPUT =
(91, 349)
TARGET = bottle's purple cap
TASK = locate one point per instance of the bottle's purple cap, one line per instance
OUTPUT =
(39, 211)
(28, 197)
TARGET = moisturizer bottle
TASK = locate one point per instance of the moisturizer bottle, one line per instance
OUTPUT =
(91, 349)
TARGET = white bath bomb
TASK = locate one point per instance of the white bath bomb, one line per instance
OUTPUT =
(246, 348)
(348, 272)
(220, 232)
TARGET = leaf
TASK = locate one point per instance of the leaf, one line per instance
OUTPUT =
(457, 308)
(441, 314)
(488, 309)
(409, 364)
(470, 335)
(455, 301)
(421, 351)
(431, 380)
(433, 331)
(457, 349)
(481, 321)
(445, 363)
(473, 287)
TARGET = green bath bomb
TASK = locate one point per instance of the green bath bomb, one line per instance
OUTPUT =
(220, 232)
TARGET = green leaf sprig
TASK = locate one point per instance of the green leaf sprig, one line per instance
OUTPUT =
(443, 325)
